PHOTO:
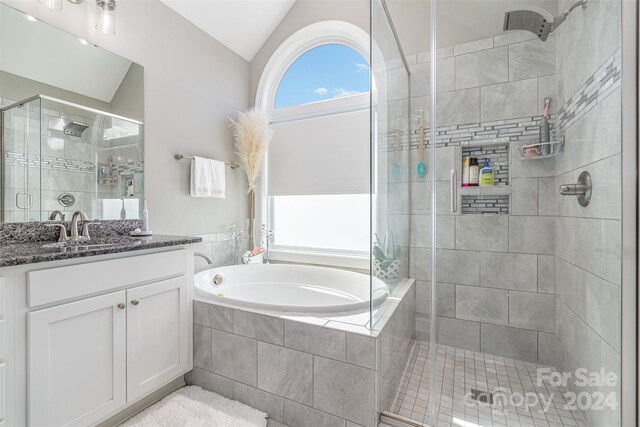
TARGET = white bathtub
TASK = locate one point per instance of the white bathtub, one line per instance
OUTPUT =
(295, 288)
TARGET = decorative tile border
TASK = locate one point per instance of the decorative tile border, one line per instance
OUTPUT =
(68, 165)
(121, 169)
(490, 132)
(595, 88)
(485, 204)
(128, 168)
(46, 162)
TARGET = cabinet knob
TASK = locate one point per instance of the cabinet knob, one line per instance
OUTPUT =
(121, 306)
(135, 302)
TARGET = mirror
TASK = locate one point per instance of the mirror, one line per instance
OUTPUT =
(72, 133)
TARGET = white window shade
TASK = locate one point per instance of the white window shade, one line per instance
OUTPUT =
(320, 155)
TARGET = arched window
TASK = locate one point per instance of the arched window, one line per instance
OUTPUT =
(316, 186)
(323, 73)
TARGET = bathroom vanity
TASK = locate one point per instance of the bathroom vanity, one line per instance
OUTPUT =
(89, 333)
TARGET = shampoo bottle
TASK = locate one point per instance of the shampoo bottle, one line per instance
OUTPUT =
(486, 174)
(474, 172)
(465, 171)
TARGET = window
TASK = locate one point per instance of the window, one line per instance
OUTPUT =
(322, 222)
(323, 73)
(121, 129)
(316, 186)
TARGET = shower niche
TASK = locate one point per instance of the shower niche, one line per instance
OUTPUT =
(498, 156)
(487, 199)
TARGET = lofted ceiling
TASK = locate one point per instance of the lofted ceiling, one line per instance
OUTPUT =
(241, 25)
(244, 25)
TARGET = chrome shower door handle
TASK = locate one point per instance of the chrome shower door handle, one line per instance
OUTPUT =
(454, 191)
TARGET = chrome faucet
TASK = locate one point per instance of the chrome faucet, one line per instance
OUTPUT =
(267, 238)
(204, 257)
(73, 234)
(62, 237)
(74, 225)
(56, 214)
(235, 235)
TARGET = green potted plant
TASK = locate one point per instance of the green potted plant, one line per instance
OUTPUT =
(386, 257)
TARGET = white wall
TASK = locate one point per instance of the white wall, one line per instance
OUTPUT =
(192, 83)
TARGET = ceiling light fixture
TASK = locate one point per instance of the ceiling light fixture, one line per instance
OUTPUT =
(31, 18)
(106, 16)
(52, 4)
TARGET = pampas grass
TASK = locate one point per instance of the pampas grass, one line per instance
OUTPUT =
(252, 136)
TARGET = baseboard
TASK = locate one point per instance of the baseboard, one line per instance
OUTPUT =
(143, 403)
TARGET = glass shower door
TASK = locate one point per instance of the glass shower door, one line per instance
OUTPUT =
(21, 127)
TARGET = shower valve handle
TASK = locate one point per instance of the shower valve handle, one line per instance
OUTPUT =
(573, 189)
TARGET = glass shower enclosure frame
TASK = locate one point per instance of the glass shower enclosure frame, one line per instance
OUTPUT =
(58, 157)
(390, 141)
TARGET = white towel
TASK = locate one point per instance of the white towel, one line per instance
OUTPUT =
(207, 178)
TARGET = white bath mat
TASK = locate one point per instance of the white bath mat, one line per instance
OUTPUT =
(193, 406)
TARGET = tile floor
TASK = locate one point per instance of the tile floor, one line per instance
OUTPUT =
(519, 399)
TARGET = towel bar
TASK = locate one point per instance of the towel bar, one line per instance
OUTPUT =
(182, 156)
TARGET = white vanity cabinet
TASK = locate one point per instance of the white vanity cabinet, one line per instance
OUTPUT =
(77, 361)
(157, 335)
(101, 335)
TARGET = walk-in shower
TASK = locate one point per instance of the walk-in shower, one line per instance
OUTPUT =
(520, 285)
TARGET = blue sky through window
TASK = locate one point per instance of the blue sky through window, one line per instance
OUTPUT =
(325, 72)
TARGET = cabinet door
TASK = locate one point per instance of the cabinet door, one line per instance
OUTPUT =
(157, 335)
(76, 361)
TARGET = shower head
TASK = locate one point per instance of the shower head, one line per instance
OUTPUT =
(75, 129)
(535, 22)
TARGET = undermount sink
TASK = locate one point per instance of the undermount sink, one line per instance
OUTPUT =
(92, 244)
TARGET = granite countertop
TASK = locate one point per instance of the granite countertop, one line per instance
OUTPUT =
(31, 252)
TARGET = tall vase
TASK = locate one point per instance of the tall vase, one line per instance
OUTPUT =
(252, 219)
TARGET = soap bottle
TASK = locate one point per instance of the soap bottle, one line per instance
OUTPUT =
(474, 173)
(486, 174)
(465, 171)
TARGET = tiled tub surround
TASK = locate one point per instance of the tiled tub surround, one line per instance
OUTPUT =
(495, 290)
(220, 248)
(302, 370)
(588, 240)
